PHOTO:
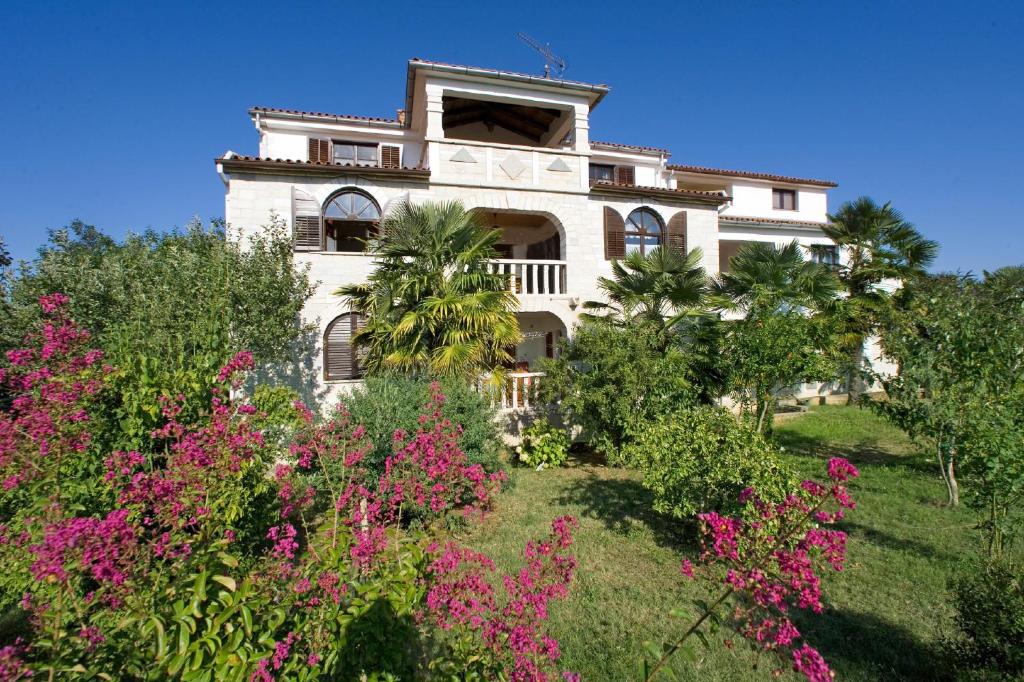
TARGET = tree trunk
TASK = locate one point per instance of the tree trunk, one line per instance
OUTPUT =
(954, 487)
(855, 386)
(760, 419)
(995, 538)
(947, 469)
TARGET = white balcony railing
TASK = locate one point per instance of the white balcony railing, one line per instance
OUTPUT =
(530, 277)
(517, 392)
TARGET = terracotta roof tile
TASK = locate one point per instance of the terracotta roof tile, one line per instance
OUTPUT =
(770, 221)
(319, 165)
(554, 81)
(631, 146)
(751, 174)
(718, 197)
(320, 114)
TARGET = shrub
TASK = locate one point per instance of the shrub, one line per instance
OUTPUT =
(989, 603)
(701, 459)
(773, 557)
(544, 444)
(168, 310)
(767, 353)
(388, 402)
(188, 570)
(611, 379)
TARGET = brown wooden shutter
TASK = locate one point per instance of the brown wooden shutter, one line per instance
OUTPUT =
(390, 156)
(319, 150)
(305, 221)
(549, 344)
(340, 358)
(677, 231)
(625, 175)
(307, 233)
(614, 234)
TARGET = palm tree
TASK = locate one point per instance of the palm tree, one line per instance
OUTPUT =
(431, 305)
(766, 277)
(880, 247)
(659, 288)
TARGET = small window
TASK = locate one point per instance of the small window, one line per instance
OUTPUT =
(600, 172)
(784, 199)
(644, 231)
(826, 255)
(354, 153)
(341, 360)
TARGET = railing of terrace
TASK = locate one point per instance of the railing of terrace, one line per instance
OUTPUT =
(517, 392)
(530, 277)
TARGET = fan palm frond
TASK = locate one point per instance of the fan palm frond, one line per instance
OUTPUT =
(432, 303)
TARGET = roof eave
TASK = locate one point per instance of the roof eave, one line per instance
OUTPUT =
(597, 90)
(285, 167)
(752, 175)
(770, 223)
(323, 118)
(665, 193)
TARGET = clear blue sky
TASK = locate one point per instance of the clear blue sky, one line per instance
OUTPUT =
(113, 112)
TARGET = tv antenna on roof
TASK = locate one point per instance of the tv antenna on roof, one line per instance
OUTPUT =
(551, 60)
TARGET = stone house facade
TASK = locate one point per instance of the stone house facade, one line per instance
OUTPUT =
(516, 149)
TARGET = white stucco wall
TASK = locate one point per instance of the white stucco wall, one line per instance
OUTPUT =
(754, 199)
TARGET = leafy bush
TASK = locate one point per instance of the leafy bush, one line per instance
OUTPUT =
(767, 353)
(773, 555)
(391, 401)
(202, 564)
(610, 380)
(544, 444)
(168, 310)
(989, 603)
(701, 459)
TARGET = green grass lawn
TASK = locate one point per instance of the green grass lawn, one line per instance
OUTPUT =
(883, 613)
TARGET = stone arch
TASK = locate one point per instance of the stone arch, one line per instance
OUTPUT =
(511, 202)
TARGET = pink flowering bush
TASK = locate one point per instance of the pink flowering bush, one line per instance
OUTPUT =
(463, 602)
(217, 552)
(769, 561)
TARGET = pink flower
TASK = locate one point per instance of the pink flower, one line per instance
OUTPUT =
(809, 662)
(241, 362)
(53, 302)
(840, 470)
(686, 568)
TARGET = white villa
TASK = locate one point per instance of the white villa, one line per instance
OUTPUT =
(517, 149)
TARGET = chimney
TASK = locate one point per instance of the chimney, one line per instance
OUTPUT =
(400, 115)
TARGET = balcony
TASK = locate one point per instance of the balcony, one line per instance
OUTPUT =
(532, 277)
(509, 166)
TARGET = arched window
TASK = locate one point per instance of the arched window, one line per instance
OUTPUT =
(350, 218)
(643, 231)
(340, 358)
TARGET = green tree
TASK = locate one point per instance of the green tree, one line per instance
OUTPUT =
(959, 345)
(611, 381)
(879, 246)
(168, 309)
(657, 290)
(770, 352)
(764, 277)
(432, 305)
(782, 338)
